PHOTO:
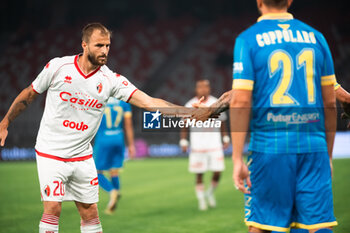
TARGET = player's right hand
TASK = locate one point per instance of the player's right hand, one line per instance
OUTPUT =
(241, 177)
(184, 148)
(3, 134)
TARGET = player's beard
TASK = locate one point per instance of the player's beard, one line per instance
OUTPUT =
(94, 60)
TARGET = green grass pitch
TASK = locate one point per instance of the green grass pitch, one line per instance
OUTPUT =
(158, 197)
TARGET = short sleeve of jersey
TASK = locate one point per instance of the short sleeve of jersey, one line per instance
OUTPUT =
(243, 72)
(123, 89)
(327, 72)
(43, 80)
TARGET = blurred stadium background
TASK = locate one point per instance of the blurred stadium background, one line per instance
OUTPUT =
(163, 47)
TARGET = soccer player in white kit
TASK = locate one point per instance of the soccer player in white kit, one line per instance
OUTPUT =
(78, 88)
(206, 148)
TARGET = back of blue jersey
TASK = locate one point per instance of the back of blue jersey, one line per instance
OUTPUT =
(113, 118)
(284, 62)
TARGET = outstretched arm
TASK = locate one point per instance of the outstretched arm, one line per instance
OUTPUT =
(142, 100)
(19, 105)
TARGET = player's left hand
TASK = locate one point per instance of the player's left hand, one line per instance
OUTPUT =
(132, 152)
(241, 176)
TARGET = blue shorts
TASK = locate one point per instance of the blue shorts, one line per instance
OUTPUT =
(289, 190)
(109, 153)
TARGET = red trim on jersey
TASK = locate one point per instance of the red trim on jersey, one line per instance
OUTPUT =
(81, 72)
(131, 95)
(77, 159)
(34, 89)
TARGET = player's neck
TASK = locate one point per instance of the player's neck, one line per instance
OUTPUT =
(268, 10)
(85, 65)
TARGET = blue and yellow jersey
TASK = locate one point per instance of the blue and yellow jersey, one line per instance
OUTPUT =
(284, 62)
(113, 118)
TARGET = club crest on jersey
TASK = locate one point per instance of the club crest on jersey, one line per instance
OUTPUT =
(47, 190)
(99, 88)
(68, 79)
(94, 181)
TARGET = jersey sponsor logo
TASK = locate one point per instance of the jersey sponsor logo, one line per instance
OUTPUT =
(125, 83)
(294, 118)
(99, 88)
(73, 125)
(237, 67)
(94, 181)
(47, 190)
(68, 79)
(80, 102)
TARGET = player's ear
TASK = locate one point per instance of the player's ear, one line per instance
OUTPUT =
(290, 3)
(259, 3)
(83, 45)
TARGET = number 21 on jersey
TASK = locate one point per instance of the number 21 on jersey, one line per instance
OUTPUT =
(281, 60)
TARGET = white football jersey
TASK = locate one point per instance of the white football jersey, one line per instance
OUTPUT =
(74, 106)
(205, 140)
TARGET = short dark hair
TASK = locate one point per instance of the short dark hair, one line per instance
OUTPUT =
(91, 27)
(276, 3)
(203, 80)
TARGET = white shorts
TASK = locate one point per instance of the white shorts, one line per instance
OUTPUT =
(201, 162)
(67, 181)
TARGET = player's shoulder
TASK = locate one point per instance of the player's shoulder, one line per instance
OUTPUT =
(57, 62)
(246, 37)
(306, 27)
(109, 73)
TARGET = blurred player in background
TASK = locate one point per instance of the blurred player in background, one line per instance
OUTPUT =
(206, 149)
(110, 147)
(78, 88)
(283, 71)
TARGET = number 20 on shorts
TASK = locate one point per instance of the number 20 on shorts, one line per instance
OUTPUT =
(59, 188)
